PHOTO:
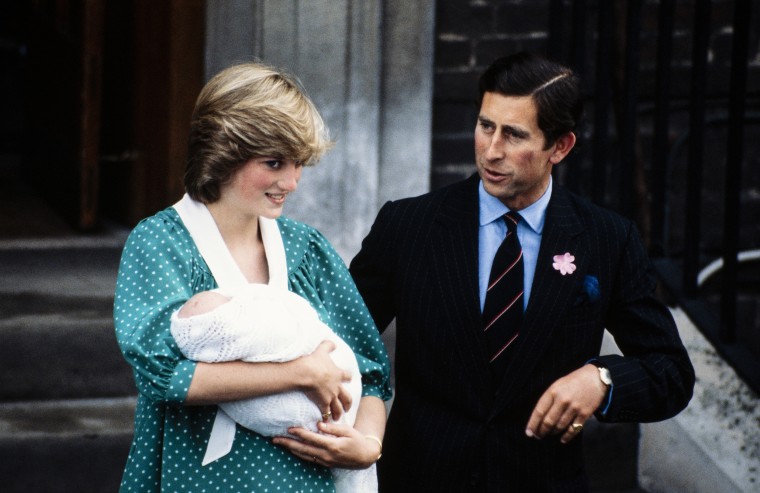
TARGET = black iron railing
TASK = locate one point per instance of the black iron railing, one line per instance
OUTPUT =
(637, 179)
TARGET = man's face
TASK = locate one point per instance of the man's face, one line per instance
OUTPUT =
(509, 150)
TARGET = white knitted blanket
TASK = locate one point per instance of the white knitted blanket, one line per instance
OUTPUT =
(258, 324)
(264, 324)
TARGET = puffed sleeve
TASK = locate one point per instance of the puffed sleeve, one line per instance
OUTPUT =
(159, 270)
(323, 279)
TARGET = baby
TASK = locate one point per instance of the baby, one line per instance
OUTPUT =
(258, 323)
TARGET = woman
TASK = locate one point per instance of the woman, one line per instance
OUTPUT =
(252, 131)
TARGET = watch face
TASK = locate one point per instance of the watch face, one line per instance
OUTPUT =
(604, 374)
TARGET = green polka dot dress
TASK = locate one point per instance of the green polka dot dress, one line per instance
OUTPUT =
(160, 269)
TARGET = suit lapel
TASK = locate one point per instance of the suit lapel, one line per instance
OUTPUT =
(551, 294)
(453, 253)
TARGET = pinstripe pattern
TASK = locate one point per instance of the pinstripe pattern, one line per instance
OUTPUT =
(449, 428)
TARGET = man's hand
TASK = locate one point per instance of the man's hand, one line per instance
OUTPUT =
(569, 401)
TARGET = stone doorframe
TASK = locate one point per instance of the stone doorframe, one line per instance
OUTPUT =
(368, 66)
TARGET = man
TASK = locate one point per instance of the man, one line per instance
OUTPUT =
(493, 402)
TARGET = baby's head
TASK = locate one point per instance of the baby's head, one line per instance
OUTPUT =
(201, 303)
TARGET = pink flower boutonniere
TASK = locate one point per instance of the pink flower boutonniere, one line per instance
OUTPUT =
(564, 263)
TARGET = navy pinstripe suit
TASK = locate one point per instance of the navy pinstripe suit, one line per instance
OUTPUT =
(450, 428)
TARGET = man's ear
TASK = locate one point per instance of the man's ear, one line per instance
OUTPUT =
(562, 147)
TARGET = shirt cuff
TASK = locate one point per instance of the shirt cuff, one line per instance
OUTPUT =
(605, 406)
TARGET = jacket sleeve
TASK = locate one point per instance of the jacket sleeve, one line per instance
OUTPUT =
(374, 266)
(654, 379)
(324, 281)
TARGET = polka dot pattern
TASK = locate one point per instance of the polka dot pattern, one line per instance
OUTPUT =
(160, 269)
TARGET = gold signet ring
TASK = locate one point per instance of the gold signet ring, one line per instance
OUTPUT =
(576, 427)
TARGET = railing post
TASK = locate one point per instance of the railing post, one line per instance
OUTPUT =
(578, 63)
(602, 101)
(734, 157)
(628, 130)
(661, 123)
(580, 26)
(696, 133)
(556, 23)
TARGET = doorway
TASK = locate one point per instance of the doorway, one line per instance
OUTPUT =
(96, 102)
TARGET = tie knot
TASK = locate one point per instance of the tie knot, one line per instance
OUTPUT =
(511, 219)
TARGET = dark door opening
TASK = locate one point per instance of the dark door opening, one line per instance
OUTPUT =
(95, 100)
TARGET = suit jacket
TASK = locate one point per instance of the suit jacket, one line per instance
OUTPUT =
(450, 427)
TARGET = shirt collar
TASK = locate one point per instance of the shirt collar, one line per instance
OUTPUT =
(534, 215)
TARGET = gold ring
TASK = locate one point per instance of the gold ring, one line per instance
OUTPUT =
(326, 415)
(576, 427)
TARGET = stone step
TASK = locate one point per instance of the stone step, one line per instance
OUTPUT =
(67, 269)
(60, 356)
(64, 446)
(56, 322)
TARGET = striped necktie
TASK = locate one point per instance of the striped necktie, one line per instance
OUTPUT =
(503, 308)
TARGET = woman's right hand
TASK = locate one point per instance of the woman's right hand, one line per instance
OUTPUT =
(316, 375)
(324, 386)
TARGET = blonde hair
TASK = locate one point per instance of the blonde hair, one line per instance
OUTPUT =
(246, 111)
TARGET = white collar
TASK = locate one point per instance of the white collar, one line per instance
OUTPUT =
(205, 233)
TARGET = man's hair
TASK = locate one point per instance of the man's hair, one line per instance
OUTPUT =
(246, 111)
(554, 88)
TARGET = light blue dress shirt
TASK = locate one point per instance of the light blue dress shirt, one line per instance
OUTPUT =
(493, 230)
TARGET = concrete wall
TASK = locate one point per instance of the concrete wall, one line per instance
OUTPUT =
(714, 444)
(367, 64)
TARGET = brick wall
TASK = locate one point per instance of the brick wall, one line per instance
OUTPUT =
(471, 33)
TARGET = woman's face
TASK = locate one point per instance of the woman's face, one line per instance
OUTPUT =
(260, 186)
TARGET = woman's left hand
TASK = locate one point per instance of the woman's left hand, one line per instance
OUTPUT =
(336, 446)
